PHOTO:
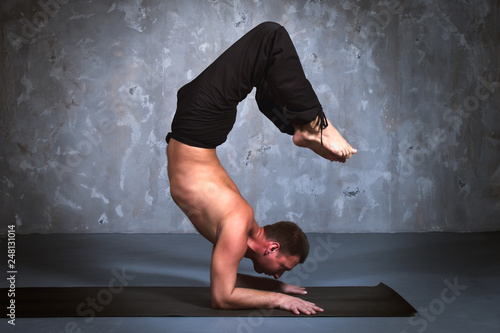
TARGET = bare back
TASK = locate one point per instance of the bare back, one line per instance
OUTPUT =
(204, 191)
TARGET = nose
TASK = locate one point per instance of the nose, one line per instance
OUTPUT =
(277, 276)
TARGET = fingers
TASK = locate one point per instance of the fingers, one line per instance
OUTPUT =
(298, 306)
(291, 289)
(313, 308)
(300, 290)
(309, 309)
(317, 308)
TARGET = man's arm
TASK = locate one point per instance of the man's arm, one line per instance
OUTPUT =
(262, 283)
(226, 256)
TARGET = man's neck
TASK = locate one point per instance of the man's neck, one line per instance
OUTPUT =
(256, 243)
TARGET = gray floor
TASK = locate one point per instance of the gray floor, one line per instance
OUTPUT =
(452, 279)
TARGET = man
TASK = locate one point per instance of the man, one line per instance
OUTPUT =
(264, 58)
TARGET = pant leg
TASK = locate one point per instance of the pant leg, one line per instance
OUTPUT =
(285, 95)
(264, 58)
(206, 106)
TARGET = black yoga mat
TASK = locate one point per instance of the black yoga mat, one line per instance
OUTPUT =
(378, 301)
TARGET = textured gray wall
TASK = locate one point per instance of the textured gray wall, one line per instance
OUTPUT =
(89, 90)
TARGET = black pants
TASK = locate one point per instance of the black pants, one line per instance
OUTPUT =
(264, 58)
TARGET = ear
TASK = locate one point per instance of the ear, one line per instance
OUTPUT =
(272, 248)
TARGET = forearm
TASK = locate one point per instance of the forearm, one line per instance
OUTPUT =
(255, 282)
(246, 298)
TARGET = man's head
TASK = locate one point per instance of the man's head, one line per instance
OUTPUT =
(286, 246)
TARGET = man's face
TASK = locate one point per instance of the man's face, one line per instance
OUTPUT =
(274, 264)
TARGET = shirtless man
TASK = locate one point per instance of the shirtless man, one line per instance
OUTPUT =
(266, 59)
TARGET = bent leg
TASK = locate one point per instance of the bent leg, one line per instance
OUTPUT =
(266, 58)
(287, 98)
(284, 94)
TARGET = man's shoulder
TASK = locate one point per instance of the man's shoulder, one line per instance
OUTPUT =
(239, 220)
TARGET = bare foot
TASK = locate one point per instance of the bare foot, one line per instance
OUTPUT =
(334, 147)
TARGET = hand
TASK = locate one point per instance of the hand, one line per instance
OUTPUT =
(298, 306)
(291, 289)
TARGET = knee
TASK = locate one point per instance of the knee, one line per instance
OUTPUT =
(270, 26)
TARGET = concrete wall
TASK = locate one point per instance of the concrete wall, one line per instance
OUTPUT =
(89, 90)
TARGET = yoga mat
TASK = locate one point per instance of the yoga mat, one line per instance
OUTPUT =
(378, 301)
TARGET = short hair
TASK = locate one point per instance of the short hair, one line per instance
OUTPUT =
(293, 241)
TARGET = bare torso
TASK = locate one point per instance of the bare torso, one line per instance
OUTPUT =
(206, 194)
(204, 191)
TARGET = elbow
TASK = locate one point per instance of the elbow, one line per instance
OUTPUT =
(219, 303)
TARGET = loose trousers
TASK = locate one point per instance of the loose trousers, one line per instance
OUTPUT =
(264, 58)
